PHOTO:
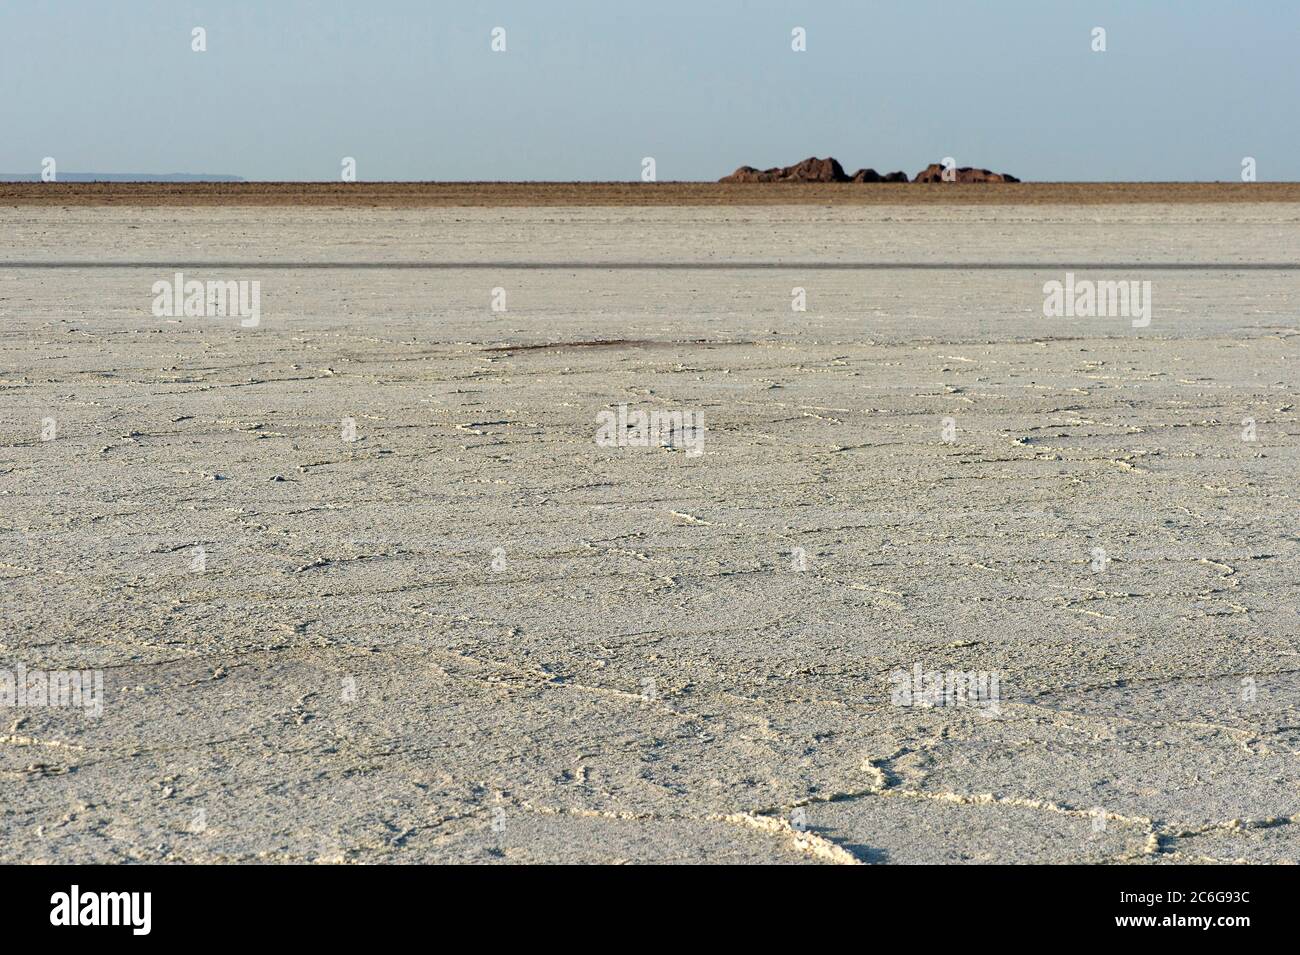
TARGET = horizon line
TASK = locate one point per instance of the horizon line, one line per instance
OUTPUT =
(82, 179)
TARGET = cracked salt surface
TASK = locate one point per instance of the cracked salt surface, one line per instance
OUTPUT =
(472, 634)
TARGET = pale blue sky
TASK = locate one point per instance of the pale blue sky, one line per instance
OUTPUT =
(588, 87)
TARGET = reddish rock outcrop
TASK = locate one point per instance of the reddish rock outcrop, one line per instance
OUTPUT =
(813, 169)
(934, 173)
(870, 175)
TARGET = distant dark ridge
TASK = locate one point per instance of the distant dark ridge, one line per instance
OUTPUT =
(122, 177)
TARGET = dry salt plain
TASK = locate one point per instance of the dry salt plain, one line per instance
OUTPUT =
(471, 634)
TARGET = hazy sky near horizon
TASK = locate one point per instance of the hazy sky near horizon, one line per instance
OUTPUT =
(585, 88)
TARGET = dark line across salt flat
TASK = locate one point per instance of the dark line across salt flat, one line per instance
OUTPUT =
(254, 265)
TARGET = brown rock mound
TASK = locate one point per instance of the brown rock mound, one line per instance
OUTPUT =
(870, 175)
(811, 169)
(934, 173)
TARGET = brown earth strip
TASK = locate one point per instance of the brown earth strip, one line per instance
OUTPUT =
(502, 194)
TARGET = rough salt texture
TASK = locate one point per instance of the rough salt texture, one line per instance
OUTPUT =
(644, 676)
